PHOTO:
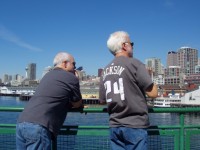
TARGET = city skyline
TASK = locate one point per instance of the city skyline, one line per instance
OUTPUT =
(34, 31)
(172, 62)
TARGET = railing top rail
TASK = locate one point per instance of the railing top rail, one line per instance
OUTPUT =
(104, 109)
(174, 110)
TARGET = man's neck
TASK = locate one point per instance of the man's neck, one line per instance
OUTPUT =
(123, 53)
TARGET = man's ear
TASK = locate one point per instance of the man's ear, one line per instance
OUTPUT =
(64, 64)
(124, 47)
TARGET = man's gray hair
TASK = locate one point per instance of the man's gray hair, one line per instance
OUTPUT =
(60, 57)
(116, 40)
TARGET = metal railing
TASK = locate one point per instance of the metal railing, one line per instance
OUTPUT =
(180, 136)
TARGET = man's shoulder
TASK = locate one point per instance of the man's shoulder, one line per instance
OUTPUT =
(135, 60)
(60, 74)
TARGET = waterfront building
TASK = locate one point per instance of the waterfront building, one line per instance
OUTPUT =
(155, 64)
(17, 90)
(172, 80)
(15, 83)
(173, 71)
(167, 88)
(187, 59)
(31, 72)
(82, 75)
(173, 75)
(159, 80)
(172, 59)
(89, 90)
(89, 93)
(193, 79)
(197, 69)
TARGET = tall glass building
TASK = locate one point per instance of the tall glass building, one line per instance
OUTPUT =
(31, 72)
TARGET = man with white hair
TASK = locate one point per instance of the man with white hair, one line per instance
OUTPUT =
(46, 111)
(124, 85)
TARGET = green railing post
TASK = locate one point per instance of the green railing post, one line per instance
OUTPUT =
(181, 131)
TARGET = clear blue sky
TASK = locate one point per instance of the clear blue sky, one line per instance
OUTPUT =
(34, 31)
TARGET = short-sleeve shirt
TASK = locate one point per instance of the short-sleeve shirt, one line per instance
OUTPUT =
(122, 85)
(51, 101)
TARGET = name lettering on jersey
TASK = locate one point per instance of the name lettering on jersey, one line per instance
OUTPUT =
(113, 70)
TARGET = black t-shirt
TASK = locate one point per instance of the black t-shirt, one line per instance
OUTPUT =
(123, 85)
(50, 103)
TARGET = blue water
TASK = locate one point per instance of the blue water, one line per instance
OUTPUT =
(93, 118)
(71, 119)
(11, 101)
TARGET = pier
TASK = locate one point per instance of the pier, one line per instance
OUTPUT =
(6, 94)
(24, 97)
(91, 101)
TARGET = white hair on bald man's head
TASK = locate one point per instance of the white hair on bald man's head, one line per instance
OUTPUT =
(60, 57)
(116, 40)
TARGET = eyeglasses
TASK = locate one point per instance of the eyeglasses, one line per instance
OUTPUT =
(73, 63)
(131, 43)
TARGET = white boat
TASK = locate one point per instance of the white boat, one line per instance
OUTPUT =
(167, 101)
(191, 98)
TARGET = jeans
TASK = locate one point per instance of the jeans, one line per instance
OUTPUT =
(123, 138)
(31, 136)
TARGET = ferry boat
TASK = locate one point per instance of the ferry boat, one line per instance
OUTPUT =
(191, 98)
(168, 101)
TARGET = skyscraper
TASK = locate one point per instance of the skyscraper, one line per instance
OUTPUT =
(155, 65)
(100, 72)
(5, 78)
(31, 71)
(187, 59)
(172, 59)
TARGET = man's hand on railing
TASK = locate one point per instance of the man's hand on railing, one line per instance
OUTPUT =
(79, 109)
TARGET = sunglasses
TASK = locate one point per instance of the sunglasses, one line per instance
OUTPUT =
(131, 43)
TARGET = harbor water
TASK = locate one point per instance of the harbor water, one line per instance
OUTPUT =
(92, 118)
